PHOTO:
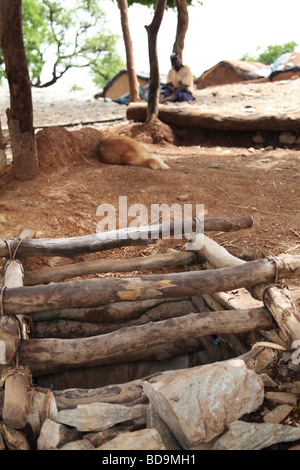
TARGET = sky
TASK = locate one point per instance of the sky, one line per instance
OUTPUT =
(218, 30)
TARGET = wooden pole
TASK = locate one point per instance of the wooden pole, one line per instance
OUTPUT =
(16, 399)
(75, 246)
(68, 328)
(115, 312)
(95, 292)
(46, 356)
(61, 273)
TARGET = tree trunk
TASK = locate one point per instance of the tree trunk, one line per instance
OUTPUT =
(182, 26)
(3, 161)
(133, 81)
(154, 90)
(20, 114)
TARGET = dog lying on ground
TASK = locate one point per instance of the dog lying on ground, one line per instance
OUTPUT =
(123, 150)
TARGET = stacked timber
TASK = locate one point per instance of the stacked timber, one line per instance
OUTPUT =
(140, 361)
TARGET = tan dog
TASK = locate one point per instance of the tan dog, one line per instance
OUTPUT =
(123, 150)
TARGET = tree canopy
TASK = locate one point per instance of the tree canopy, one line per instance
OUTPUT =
(74, 36)
(272, 53)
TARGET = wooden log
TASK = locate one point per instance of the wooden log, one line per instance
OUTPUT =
(45, 356)
(17, 379)
(81, 329)
(9, 339)
(276, 297)
(12, 329)
(189, 116)
(233, 340)
(207, 341)
(110, 313)
(42, 406)
(16, 399)
(70, 247)
(61, 273)
(91, 292)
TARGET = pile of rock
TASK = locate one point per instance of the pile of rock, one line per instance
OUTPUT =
(195, 409)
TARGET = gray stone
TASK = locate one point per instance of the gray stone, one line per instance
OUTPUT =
(282, 398)
(197, 404)
(54, 435)
(255, 436)
(82, 444)
(98, 416)
(144, 439)
(278, 414)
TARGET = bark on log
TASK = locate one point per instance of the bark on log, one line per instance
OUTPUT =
(188, 116)
(276, 298)
(45, 356)
(61, 273)
(42, 406)
(78, 329)
(94, 292)
(16, 397)
(70, 247)
(110, 313)
(129, 394)
(16, 400)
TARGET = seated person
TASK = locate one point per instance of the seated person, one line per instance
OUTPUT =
(180, 82)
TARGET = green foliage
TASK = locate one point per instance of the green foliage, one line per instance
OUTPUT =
(269, 56)
(74, 36)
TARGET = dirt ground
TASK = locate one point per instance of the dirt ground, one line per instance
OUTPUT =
(230, 175)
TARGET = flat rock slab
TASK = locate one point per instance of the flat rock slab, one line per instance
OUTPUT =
(144, 439)
(255, 436)
(197, 404)
(98, 416)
